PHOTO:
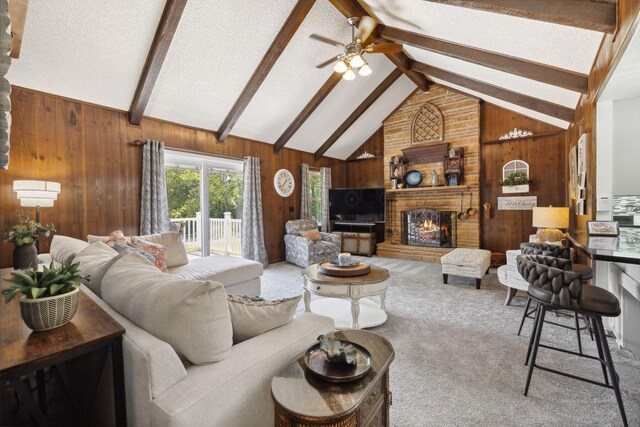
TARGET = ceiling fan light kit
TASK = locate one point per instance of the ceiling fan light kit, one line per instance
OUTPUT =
(352, 58)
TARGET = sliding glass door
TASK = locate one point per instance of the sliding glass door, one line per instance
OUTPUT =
(205, 196)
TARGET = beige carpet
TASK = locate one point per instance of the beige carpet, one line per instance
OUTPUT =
(459, 361)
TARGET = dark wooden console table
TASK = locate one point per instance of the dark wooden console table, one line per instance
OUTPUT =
(302, 399)
(24, 352)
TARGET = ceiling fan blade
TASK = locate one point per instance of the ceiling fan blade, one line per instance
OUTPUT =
(384, 48)
(366, 27)
(327, 62)
(326, 40)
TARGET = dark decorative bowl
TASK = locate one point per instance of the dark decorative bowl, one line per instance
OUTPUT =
(318, 364)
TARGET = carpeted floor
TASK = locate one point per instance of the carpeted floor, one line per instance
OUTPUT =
(459, 361)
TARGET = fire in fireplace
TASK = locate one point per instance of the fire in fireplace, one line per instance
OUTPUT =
(428, 227)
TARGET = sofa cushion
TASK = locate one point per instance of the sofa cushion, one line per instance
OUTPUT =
(64, 249)
(176, 252)
(311, 234)
(296, 226)
(322, 247)
(224, 269)
(94, 261)
(192, 316)
(158, 251)
(252, 316)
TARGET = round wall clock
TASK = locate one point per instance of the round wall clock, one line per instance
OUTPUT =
(284, 183)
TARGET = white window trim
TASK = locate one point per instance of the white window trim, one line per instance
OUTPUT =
(516, 168)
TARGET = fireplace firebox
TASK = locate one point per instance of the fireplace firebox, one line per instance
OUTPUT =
(428, 227)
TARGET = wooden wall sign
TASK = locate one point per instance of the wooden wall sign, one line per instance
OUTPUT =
(524, 203)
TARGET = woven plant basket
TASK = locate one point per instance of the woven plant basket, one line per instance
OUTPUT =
(51, 312)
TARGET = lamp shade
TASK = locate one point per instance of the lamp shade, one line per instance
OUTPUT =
(32, 193)
(551, 217)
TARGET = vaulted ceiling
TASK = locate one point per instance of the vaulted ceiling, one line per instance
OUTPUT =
(248, 67)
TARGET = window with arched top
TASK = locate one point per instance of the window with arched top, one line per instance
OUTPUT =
(515, 166)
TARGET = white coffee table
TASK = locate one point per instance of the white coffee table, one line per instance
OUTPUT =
(344, 293)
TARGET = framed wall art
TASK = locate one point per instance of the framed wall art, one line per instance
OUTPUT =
(603, 228)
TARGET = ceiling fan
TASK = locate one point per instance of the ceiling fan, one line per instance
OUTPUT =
(352, 57)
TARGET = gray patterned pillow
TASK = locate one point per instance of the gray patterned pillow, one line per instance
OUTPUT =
(252, 316)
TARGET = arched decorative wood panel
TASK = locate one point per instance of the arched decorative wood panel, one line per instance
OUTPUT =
(427, 125)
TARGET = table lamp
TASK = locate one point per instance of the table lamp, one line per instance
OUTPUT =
(549, 222)
(37, 194)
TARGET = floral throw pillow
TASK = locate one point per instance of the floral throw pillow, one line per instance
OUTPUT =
(117, 237)
(311, 234)
(157, 250)
(119, 247)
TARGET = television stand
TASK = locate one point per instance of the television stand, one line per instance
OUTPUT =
(358, 238)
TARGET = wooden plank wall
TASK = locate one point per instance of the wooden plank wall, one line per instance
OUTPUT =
(367, 173)
(547, 160)
(585, 122)
(88, 149)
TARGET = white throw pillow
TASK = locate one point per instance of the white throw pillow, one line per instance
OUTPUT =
(252, 316)
(64, 249)
(94, 261)
(176, 252)
(191, 316)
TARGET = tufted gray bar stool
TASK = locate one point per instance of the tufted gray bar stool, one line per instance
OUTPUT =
(563, 254)
(555, 289)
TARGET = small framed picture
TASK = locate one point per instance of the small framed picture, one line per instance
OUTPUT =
(603, 228)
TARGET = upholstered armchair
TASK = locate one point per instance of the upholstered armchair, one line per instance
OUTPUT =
(304, 251)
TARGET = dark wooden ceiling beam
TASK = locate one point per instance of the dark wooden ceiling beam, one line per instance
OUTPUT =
(545, 107)
(351, 8)
(278, 46)
(532, 70)
(157, 53)
(594, 15)
(18, 15)
(311, 106)
(364, 106)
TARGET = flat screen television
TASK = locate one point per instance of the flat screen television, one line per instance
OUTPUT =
(357, 204)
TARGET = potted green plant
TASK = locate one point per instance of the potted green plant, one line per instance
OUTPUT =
(516, 182)
(23, 235)
(49, 298)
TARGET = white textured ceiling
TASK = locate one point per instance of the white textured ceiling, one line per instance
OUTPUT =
(95, 50)
(558, 45)
(509, 106)
(90, 50)
(509, 81)
(372, 119)
(216, 48)
(294, 79)
(625, 80)
(338, 105)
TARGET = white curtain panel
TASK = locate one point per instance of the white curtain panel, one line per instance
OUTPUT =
(252, 238)
(325, 178)
(154, 206)
(305, 189)
(5, 87)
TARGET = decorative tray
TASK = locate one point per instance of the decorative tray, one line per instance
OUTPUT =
(317, 363)
(350, 264)
(358, 269)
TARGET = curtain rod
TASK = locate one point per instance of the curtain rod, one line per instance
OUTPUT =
(140, 143)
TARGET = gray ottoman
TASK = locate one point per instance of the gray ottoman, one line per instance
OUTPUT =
(467, 263)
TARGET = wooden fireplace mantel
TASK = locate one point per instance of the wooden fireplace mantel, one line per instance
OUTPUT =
(430, 189)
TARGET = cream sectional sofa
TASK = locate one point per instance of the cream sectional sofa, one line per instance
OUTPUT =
(238, 275)
(164, 389)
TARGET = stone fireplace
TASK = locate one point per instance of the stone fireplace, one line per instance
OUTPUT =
(428, 228)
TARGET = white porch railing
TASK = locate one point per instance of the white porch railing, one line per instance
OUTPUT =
(224, 234)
